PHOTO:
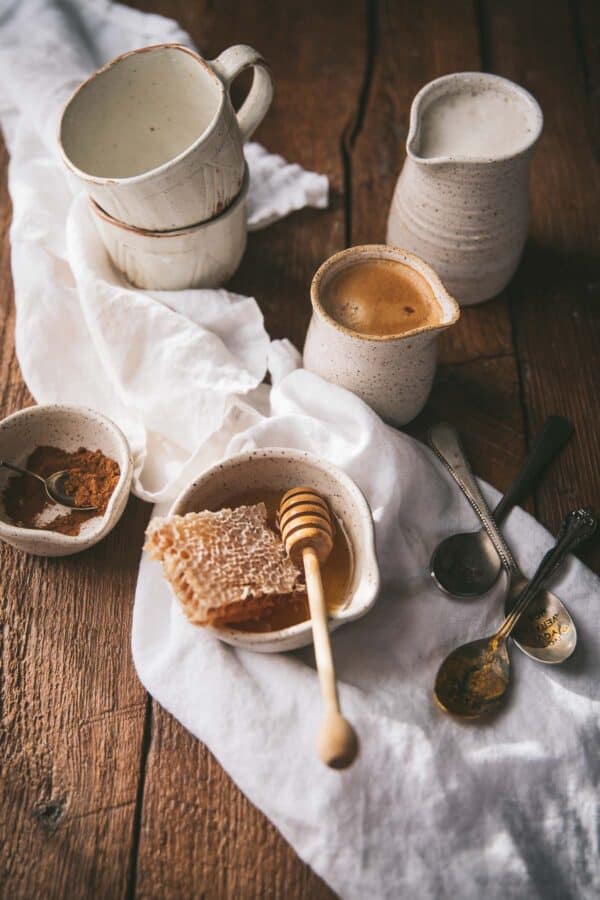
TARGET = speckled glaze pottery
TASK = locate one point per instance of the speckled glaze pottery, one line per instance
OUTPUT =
(67, 427)
(280, 469)
(206, 255)
(392, 373)
(153, 136)
(467, 217)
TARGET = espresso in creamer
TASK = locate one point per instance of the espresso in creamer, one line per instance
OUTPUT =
(380, 298)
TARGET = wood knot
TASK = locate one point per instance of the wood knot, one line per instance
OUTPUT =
(49, 814)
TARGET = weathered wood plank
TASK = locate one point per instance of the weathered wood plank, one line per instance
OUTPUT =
(555, 297)
(477, 387)
(200, 836)
(72, 708)
(586, 24)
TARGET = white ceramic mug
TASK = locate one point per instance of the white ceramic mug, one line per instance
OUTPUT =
(392, 373)
(205, 255)
(153, 136)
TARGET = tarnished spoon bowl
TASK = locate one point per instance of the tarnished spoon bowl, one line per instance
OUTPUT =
(466, 565)
(474, 678)
(56, 490)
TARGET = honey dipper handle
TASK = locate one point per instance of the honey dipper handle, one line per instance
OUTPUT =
(318, 614)
(337, 743)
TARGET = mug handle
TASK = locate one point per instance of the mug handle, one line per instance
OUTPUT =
(228, 66)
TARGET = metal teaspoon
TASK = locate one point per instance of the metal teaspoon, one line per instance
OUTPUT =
(548, 632)
(466, 564)
(474, 678)
(52, 484)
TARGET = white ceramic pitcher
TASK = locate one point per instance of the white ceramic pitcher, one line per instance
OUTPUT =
(465, 212)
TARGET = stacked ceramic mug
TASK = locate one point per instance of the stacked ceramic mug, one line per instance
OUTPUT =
(156, 143)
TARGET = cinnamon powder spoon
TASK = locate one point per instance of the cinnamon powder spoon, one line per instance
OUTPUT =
(474, 678)
(54, 486)
(306, 527)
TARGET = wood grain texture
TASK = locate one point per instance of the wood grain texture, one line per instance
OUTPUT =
(104, 794)
(71, 707)
(555, 298)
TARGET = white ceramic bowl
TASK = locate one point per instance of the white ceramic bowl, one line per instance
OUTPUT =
(204, 255)
(66, 427)
(280, 469)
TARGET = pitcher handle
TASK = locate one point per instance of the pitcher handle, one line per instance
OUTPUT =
(228, 66)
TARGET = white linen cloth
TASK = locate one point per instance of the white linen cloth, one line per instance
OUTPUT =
(83, 334)
(432, 808)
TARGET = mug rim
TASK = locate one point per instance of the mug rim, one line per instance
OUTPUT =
(450, 308)
(157, 170)
(241, 196)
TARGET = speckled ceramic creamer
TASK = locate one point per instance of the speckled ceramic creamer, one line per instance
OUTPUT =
(461, 201)
(154, 139)
(392, 373)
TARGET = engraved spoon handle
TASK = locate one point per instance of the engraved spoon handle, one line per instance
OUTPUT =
(577, 527)
(555, 433)
(445, 443)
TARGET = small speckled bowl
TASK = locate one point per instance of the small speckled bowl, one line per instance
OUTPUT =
(67, 427)
(280, 469)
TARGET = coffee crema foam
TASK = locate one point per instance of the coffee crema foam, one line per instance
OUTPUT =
(380, 298)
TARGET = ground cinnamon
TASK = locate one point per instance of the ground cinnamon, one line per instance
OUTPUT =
(91, 481)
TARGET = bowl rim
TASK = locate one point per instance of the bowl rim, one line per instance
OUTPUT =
(105, 522)
(371, 575)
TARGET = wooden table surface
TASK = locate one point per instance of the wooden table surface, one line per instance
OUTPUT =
(103, 793)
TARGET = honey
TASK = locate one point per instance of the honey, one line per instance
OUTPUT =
(336, 572)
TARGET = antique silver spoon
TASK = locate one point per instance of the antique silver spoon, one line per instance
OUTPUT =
(54, 486)
(466, 564)
(474, 678)
(547, 633)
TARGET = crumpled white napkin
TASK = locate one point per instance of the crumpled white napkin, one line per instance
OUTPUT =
(83, 334)
(432, 808)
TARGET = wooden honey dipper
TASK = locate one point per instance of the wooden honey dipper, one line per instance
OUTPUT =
(306, 528)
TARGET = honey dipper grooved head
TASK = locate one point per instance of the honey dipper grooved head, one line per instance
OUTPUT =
(304, 520)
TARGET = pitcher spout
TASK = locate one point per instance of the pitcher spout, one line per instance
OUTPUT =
(472, 118)
(461, 200)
